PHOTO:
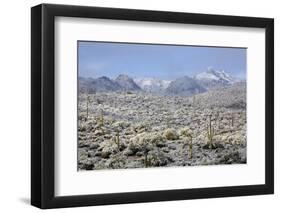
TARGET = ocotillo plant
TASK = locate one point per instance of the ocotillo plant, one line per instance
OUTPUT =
(210, 131)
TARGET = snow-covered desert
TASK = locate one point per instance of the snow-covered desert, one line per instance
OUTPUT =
(149, 122)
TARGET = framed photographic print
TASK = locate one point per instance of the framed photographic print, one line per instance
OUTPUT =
(139, 106)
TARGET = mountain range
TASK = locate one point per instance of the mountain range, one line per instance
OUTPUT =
(202, 82)
(152, 84)
(211, 79)
(104, 84)
(185, 86)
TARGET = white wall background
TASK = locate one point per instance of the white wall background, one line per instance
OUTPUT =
(15, 105)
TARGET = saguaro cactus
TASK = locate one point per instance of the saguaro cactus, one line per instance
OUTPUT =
(117, 140)
(87, 106)
(190, 146)
(188, 136)
(101, 118)
(193, 100)
(147, 160)
(168, 120)
(210, 131)
(218, 120)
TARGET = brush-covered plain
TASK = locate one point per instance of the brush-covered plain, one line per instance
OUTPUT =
(136, 129)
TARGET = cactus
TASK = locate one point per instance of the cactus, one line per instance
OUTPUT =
(168, 120)
(210, 132)
(190, 145)
(87, 107)
(147, 160)
(189, 142)
(117, 140)
(101, 118)
(145, 149)
(218, 120)
(190, 149)
(232, 119)
(194, 100)
(98, 101)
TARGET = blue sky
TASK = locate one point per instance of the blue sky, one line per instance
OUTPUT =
(168, 62)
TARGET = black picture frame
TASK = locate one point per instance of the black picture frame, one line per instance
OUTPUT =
(43, 102)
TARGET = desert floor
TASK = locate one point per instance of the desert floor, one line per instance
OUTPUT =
(136, 130)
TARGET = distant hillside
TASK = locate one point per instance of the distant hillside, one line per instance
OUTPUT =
(127, 83)
(105, 84)
(184, 86)
(233, 96)
(101, 84)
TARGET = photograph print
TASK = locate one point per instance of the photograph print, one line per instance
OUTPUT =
(160, 105)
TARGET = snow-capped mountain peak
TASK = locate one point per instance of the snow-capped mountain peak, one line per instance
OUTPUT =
(214, 78)
(152, 84)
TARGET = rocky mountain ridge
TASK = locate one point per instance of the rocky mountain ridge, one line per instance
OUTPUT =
(186, 86)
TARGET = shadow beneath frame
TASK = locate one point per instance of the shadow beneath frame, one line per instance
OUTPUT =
(25, 200)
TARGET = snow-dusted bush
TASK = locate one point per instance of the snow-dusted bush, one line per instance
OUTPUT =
(170, 134)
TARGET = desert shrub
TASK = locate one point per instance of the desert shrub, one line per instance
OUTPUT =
(153, 137)
(86, 164)
(170, 134)
(120, 125)
(185, 132)
(117, 161)
(141, 127)
(108, 147)
(144, 142)
(82, 128)
(133, 148)
(155, 159)
(141, 141)
(156, 138)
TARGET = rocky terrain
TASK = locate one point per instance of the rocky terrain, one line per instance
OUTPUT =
(120, 125)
